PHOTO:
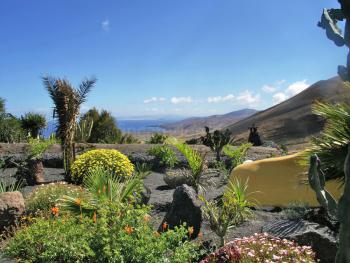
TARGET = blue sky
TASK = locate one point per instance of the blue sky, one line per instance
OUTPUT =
(164, 57)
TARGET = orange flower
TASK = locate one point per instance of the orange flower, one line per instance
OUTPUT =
(128, 229)
(77, 201)
(190, 230)
(165, 225)
(94, 217)
(146, 217)
(54, 210)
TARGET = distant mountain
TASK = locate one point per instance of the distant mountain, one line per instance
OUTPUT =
(197, 124)
(293, 120)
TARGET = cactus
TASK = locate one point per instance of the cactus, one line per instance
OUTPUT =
(329, 20)
(216, 141)
(317, 183)
(343, 254)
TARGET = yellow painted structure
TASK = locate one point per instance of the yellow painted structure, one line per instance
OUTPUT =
(278, 181)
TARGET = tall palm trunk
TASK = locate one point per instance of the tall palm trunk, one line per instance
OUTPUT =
(67, 102)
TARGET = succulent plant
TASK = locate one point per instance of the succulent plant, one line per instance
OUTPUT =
(216, 140)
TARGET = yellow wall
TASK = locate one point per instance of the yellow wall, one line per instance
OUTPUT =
(277, 181)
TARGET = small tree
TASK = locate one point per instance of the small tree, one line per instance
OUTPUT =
(216, 140)
(232, 210)
(32, 123)
(67, 101)
(104, 129)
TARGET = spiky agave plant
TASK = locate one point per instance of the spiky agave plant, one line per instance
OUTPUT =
(102, 187)
(331, 145)
(67, 101)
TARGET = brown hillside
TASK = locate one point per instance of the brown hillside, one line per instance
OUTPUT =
(292, 120)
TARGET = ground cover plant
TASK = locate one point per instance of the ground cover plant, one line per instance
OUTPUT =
(265, 248)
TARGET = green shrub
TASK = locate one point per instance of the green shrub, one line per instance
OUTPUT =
(10, 128)
(44, 197)
(9, 187)
(296, 211)
(165, 156)
(107, 159)
(65, 239)
(115, 233)
(36, 147)
(104, 129)
(33, 123)
(157, 138)
(237, 154)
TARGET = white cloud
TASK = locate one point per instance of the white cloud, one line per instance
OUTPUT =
(105, 25)
(248, 98)
(154, 99)
(280, 82)
(292, 90)
(279, 97)
(269, 88)
(297, 87)
(180, 100)
(229, 97)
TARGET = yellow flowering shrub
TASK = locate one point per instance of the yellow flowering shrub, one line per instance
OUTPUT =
(108, 159)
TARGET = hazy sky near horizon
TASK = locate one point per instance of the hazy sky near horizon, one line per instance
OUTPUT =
(164, 57)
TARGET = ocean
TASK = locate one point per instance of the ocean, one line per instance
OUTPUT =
(125, 125)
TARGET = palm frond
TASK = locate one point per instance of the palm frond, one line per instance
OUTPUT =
(84, 88)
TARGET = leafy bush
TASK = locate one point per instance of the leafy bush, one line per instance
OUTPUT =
(296, 211)
(10, 128)
(33, 123)
(165, 156)
(43, 198)
(110, 160)
(264, 248)
(157, 138)
(104, 129)
(128, 138)
(232, 210)
(36, 147)
(115, 233)
(237, 154)
(195, 161)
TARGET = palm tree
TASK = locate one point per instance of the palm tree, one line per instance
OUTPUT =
(33, 123)
(332, 144)
(67, 101)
